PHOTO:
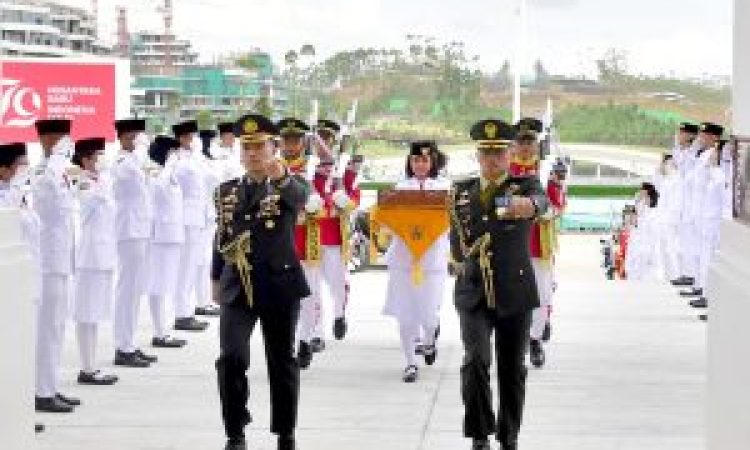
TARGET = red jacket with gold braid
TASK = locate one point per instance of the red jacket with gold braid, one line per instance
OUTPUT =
(329, 220)
(529, 168)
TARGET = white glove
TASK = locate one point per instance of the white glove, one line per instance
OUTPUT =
(340, 199)
(314, 203)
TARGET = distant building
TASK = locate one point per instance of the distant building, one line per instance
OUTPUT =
(159, 54)
(46, 29)
(223, 92)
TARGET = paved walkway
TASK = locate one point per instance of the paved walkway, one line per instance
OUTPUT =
(625, 371)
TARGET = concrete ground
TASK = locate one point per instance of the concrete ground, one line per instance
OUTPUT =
(626, 370)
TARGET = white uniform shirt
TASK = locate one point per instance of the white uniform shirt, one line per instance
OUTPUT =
(97, 248)
(712, 205)
(18, 198)
(55, 204)
(669, 187)
(169, 223)
(227, 162)
(436, 257)
(132, 199)
(191, 178)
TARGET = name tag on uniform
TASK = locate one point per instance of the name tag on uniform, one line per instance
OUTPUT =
(502, 204)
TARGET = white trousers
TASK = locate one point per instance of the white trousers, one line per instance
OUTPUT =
(87, 335)
(540, 316)
(132, 282)
(669, 233)
(157, 303)
(203, 282)
(203, 286)
(330, 271)
(191, 258)
(709, 243)
(689, 247)
(52, 315)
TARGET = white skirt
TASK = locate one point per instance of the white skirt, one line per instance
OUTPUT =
(164, 265)
(408, 302)
(93, 295)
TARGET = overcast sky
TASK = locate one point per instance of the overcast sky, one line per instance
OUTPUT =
(685, 37)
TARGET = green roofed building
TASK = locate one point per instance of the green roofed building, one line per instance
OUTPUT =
(165, 92)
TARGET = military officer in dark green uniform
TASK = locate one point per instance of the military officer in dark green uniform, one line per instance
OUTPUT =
(257, 277)
(495, 289)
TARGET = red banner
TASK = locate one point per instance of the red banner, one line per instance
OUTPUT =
(81, 92)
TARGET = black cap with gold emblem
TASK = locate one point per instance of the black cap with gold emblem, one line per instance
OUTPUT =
(528, 129)
(255, 128)
(328, 126)
(290, 127)
(423, 148)
(492, 134)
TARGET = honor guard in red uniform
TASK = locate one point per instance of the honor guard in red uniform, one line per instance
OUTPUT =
(525, 163)
(325, 243)
(556, 194)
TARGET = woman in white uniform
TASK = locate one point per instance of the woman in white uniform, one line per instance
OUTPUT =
(711, 214)
(416, 303)
(212, 179)
(15, 178)
(641, 259)
(167, 238)
(669, 210)
(96, 256)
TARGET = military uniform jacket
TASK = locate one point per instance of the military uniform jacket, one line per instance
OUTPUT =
(277, 276)
(508, 252)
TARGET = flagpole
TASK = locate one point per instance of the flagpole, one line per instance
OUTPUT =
(518, 69)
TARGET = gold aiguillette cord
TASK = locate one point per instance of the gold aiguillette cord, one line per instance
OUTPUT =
(236, 253)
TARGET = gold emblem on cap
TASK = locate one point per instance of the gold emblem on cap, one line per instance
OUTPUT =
(250, 126)
(490, 129)
(425, 151)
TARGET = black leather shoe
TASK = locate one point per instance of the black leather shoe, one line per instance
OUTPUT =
(339, 328)
(189, 324)
(304, 355)
(691, 292)
(547, 334)
(419, 349)
(699, 303)
(286, 442)
(150, 358)
(130, 360)
(72, 401)
(97, 378)
(51, 405)
(38, 428)
(683, 281)
(480, 444)
(411, 373)
(317, 345)
(536, 353)
(168, 342)
(236, 444)
(430, 354)
(510, 446)
(208, 311)
(703, 317)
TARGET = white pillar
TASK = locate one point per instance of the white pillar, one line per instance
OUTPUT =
(17, 277)
(728, 413)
